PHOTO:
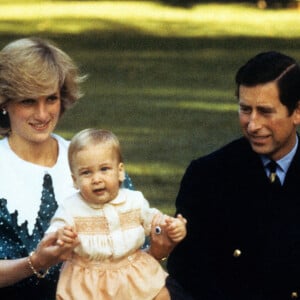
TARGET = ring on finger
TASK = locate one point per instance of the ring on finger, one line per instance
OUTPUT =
(158, 230)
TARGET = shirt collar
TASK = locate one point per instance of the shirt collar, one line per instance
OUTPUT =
(121, 198)
(284, 162)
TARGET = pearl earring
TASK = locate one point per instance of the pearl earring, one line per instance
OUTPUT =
(4, 112)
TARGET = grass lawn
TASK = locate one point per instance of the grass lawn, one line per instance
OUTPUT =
(161, 78)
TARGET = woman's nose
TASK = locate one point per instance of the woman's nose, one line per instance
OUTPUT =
(41, 111)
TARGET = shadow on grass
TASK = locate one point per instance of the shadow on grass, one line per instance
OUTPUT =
(130, 39)
(168, 99)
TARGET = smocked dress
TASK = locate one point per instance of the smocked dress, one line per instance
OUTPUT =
(29, 197)
(108, 263)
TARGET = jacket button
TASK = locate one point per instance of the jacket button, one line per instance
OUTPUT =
(294, 295)
(237, 253)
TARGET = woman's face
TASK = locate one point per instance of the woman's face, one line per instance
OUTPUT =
(33, 120)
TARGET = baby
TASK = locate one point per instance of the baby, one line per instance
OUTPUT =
(111, 223)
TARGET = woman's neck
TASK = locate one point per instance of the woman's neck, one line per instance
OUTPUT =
(43, 154)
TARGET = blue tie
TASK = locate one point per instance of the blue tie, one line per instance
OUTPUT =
(274, 179)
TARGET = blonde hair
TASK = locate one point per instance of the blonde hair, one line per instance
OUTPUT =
(33, 67)
(89, 137)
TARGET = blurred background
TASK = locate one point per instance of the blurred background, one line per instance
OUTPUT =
(161, 73)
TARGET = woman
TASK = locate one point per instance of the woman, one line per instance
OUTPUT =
(38, 83)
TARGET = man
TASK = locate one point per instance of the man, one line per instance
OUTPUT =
(243, 240)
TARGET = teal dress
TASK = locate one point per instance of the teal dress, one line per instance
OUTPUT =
(16, 242)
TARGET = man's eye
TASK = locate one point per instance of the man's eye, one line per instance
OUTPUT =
(266, 111)
(245, 109)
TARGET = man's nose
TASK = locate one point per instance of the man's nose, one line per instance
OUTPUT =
(254, 122)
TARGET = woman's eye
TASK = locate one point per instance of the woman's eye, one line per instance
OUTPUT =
(52, 98)
(27, 101)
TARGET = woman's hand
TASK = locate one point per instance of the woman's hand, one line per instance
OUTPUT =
(49, 252)
(54, 248)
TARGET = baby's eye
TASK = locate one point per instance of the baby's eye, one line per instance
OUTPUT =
(103, 169)
(86, 172)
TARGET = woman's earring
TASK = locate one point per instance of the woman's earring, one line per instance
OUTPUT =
(4, 112)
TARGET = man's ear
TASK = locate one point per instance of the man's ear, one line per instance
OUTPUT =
(121, 172)
(297, 114)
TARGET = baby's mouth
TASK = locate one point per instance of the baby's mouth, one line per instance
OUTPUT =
(99, 190)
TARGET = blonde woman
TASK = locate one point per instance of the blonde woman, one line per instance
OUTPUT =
(38, 83)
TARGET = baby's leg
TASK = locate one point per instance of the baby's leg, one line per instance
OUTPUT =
(163, 294)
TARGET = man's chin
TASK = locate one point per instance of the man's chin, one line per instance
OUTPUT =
(260, 149)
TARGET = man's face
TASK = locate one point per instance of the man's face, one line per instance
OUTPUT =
(265, 121)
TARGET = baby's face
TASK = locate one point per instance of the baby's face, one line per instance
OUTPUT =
(98, 173)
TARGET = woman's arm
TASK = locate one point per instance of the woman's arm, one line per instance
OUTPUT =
(13, 270)
(48, 253)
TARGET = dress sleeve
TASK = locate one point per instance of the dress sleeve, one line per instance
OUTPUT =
(147, 214)
(60, 219)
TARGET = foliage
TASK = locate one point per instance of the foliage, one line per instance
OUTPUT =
(260, 3)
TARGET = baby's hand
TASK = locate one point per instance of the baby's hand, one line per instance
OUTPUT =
(176, 228)
(66, 237)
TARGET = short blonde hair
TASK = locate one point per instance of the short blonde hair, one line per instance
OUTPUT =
(89, 137)
(33, 67)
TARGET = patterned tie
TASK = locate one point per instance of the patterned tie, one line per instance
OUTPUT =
(274, 179)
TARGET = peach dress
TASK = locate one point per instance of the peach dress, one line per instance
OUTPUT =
(108, 263)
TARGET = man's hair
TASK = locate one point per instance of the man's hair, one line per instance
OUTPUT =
(272, 66)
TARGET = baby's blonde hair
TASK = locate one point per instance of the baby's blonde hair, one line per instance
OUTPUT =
(89, 137)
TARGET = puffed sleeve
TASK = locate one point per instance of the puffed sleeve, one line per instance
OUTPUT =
(147, 213)
(60, 219)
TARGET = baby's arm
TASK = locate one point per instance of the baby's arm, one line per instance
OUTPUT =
(176, 228)
(67, 237)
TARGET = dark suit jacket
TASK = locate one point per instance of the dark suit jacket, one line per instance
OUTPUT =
(243, 240)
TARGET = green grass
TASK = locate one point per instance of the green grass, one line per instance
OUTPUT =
(161, 78)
